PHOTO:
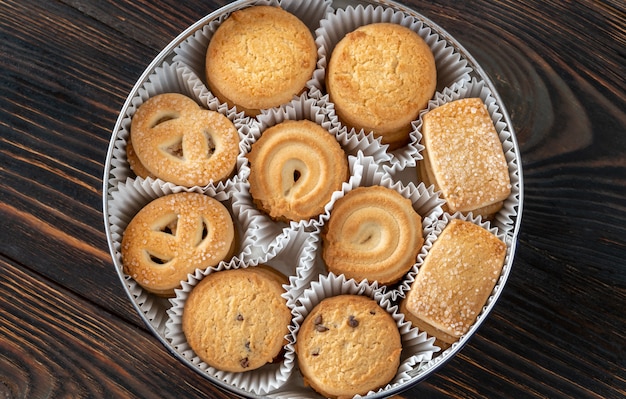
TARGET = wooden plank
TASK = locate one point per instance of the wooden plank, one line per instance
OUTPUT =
(55, 344)
(56, 124)
(143, 21)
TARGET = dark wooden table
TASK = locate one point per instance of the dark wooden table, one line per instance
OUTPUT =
(67, 328)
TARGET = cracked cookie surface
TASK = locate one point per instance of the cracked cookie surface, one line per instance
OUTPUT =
(236, 320)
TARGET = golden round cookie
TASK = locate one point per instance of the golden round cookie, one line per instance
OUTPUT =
(180, 142)
(259, 58)
(373, 233)
(174, 235)
(295, 166)
(348, 345)
(379, 77)
(236, 320)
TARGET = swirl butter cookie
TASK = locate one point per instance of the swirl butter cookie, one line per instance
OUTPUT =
(373, 233)
(348, 345)
(174, 235)
(259, 58)
(236, 320)
(379, 77)
(295, 167)
(180, 142)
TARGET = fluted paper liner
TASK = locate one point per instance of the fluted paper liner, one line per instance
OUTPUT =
(263, 232)
(129, 199)
(504, 219)
(297, 246)
(417, 348)
(169, 78)
(451, 68)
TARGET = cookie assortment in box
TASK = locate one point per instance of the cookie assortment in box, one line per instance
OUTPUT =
(308, 131)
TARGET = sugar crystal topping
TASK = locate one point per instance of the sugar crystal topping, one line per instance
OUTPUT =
(466, 154)
(457, 277)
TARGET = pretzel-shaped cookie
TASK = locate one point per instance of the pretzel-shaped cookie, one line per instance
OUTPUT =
(172, 236)
(373, 233)
(180, 142)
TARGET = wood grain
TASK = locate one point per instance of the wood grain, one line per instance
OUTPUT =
(66, 326)
(56, 344)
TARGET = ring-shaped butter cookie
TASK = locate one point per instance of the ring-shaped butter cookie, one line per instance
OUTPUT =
(373, 233)
(294, 169)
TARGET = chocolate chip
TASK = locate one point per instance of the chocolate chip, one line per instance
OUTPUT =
(248, 345)
(244, 363)
(372, 312)
(316, 352)
(318, 324)
(352, 322)
(239, 317)
(321, 328)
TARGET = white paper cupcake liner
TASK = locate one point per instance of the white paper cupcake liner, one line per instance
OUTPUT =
(301, 108)
(260, 381)
(168, 78)
(505, 218)
(129, 199)
(310, 12)
(260, 238)
(294, 250)
(433, 231)
(417, 347)
(316, 106)
(451, 68)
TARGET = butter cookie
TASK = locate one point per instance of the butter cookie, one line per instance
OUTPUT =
(180, 142)
(174, 235)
